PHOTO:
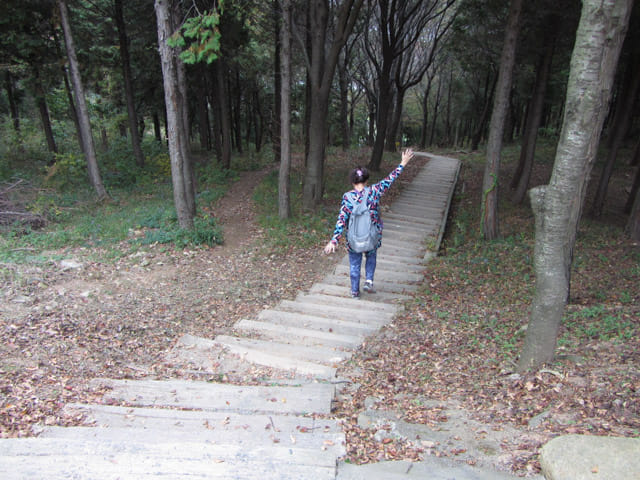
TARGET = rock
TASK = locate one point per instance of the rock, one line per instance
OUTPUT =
(70, 265)
(581, 457)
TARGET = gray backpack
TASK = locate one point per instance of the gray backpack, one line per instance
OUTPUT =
(362, 234)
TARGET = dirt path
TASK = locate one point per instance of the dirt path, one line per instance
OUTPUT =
(65, 322)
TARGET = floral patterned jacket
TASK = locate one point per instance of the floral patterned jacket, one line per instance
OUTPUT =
(350, 198)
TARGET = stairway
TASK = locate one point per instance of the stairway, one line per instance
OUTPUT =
(279, 429)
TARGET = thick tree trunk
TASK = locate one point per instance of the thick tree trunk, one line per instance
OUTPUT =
(183, 113)
(534, 117)
(323, 67)
(489, 217)
(175, 123)
(382, 117)
(83, 111)
(132, 115)
(395, 121)
(284, 196)
(557, 206)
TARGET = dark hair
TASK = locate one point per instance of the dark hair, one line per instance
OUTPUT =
(359, 175)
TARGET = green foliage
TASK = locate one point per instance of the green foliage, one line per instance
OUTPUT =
(69, 171)
(22, 153)
(164, 230)
(597, 322)
(202, 35)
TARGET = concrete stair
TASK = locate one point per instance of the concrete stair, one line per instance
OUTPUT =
(281, 429)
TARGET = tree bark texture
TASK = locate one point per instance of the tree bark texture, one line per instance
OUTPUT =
(557, 206)
(174, 122)
(489, 217)
(284, 195)
(83, 111)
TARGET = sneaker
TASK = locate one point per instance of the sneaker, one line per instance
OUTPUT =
(355, 295)
(368, 287)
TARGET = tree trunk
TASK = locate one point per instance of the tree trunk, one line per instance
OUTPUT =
(532, 123)
(83, 112)
(277, 103)
(284, 205)
(489, 216)
(224, 122)
(13, 106)
(557, 206)
(183, 114)
(479, 133)
(343, 82)
(625, 103)
(633, 223)
(436, 107)
(175, 124)
(203, 111)
(425, 112)
(395, 120)
(132, 116)
(237, 97)
(321, 74)
(382, 117)
(44, 115)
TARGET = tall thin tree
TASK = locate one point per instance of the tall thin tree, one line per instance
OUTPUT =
(284, 196)
(489, 218)
(83, 112)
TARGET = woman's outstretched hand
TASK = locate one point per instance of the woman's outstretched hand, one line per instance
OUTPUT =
(406, 156)
(330, 248)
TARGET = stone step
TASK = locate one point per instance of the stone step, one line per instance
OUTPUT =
(303, 336)
(306, 398)
(396, 258)
(403, 223)
(369, 304)
(342, 280)
(342, 291)
(208, 356)
(319, 323)
(294, 358)
(30, 458)
(387, 275)
(356, 311)
(394, 241)
(150, 425)
(404, 217)
(410, 229)
(389, 263)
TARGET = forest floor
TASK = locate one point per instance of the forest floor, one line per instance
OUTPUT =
(66, 322)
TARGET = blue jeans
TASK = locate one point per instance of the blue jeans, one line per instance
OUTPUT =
(355, 264)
